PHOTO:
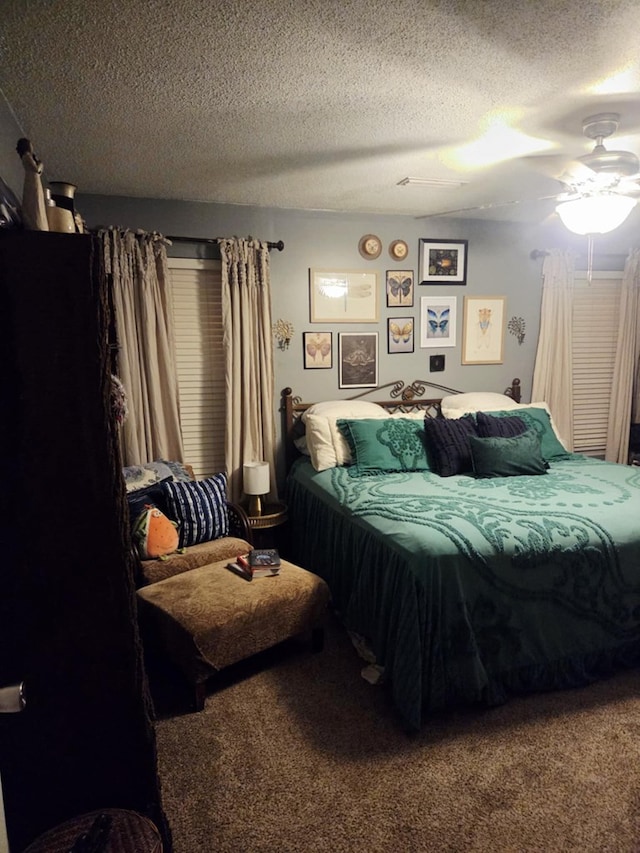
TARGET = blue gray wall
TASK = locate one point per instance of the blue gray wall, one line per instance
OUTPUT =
(499, 264)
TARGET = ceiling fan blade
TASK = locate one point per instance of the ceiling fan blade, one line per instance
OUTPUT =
(630, 187)
(562, 168)
(576, 173)
(489, 206)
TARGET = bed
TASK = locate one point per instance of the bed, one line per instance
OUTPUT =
(469, 589)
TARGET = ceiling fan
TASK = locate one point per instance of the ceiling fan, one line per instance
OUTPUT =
(600, 188)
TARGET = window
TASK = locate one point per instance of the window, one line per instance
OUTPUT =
(596, 308)
(197, 317)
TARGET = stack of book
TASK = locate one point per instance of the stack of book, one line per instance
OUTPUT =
(258, 563)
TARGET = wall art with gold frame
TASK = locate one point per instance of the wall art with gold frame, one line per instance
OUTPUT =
(343, 296)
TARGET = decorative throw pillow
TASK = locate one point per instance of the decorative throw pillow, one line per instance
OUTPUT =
(539, 420)
(150, 496)
(199, 507)
(141, 476)
(507, 457)
(178, 471)
(389, 444)
(507, 427)
(327, 446)
(448, 447)
(154, 535)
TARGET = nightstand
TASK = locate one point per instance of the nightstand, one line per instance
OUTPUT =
(267, 529)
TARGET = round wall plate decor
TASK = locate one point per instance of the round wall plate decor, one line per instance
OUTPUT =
(398, 250)
(370, 246)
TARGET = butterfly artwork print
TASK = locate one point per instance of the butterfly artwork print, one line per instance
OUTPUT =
(399, 288)
(438, 321)
(400, 334)
(318, 349)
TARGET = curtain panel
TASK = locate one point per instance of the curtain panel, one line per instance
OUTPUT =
(624, 402)
(552, 374)
(137, 266)
(249, 376)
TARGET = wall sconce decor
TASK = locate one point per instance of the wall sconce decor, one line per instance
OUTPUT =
(255, 483)
(516, 326)
(283, 332)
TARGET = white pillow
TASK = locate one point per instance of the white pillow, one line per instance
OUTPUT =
(344, 409)
(326, 444)
(457, 405)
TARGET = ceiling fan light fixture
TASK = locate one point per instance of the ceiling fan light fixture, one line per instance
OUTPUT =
(595, 214)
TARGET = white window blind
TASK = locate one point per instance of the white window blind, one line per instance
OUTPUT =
(596, 308)
(197, 315)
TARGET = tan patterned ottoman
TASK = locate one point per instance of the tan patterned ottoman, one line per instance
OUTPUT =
(208, 618)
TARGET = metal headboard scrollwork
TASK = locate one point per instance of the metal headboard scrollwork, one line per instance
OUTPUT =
(402, 398)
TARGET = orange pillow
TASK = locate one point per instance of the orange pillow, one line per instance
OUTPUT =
(154, 534)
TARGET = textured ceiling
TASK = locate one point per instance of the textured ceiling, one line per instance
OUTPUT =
(318, 104)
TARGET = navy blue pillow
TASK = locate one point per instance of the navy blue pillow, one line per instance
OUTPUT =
(199, 507)
(507, 427)
(448, 444)
(150, 495)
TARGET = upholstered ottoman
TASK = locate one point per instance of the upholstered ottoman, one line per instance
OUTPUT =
(208, 618)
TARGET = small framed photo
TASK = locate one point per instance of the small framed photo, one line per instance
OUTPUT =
(442, 261)
(358, 359)
(399, 285)
(438, 321)
(483, 330)
(399, 334)
(318, 350)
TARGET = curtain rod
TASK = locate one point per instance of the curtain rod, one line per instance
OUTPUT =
(279, 245)
(542, 253)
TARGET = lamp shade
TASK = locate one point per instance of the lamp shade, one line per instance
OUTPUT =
(595, 214)
(255, 478)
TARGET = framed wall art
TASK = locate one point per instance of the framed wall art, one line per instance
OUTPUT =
(483, 329)
(318, 350)
(399, 334)
(399, 287)
(358, 359)
(442, 261)
(438, 321)
(343, 296)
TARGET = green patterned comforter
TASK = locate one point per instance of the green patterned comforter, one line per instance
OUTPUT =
(470, 590)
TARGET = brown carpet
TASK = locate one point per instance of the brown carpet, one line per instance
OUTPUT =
(296, 752)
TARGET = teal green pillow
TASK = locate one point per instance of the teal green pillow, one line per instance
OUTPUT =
(385, 444)
(507, 457)
(539, 420)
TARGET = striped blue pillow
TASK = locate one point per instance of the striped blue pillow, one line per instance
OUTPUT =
(199, 507)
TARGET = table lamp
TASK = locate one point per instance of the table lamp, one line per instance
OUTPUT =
(256, 483)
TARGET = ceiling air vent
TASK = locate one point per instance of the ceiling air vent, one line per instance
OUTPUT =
(434, 183)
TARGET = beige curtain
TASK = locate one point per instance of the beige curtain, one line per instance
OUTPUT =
(552, 374)
(625, 372)
(137, 264)
(246, 321)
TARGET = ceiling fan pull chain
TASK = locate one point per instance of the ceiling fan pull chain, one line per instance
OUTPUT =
(589, 258)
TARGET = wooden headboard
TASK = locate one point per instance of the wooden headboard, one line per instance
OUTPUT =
(402, 398)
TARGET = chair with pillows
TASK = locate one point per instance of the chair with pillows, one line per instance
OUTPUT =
(192, 609)
(209, 528)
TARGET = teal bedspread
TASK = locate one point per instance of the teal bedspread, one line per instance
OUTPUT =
(471, 590)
